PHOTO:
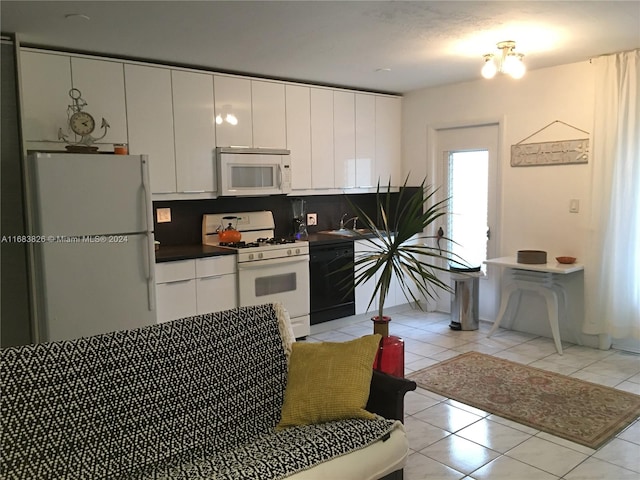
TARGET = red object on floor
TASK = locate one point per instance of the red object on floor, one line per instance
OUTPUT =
(390, 356)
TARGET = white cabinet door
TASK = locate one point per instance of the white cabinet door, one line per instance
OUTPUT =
(175, 290)
(102, 85)
(150, 115)
(176, 300)
(194, 127)
(322, 167)
(298, 113)
(364, 291)
(216, 293)
(268, 113)
(233, 111)
(344, 137)
(388, 139)
(365, 164)
(46, 81)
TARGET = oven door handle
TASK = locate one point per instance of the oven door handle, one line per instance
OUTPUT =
(273, 261)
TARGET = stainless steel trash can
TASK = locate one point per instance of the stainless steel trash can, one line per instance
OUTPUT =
(464, 301)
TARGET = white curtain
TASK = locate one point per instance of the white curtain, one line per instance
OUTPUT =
(612, 266)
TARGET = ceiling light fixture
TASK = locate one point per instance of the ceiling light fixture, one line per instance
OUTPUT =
(509, 62)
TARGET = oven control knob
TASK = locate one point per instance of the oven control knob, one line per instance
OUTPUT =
(297, 251)
(289, 252)
(260, 255)
(251, 256)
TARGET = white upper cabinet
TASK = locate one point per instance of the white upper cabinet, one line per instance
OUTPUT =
(46, 81)
(344, 137)
(102, 85)
(322, 164)
(338, 139)
(365, 163)
(150, 114)
(388, 139)
(194, 127)
(234, 124)
(268, 109)
(298, 119)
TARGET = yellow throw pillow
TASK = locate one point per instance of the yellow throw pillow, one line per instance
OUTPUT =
(328, 381)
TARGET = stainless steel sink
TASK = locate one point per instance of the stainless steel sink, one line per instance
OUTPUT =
(345, 232)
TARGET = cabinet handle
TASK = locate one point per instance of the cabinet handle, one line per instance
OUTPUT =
(192, 191)
(176, 281)
(212, 277)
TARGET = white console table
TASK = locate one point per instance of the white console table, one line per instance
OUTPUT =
(540, 278)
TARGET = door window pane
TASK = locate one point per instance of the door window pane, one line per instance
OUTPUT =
(468, 190)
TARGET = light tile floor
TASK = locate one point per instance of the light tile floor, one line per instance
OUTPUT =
(450, 440)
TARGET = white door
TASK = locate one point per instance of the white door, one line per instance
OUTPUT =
(467, 167)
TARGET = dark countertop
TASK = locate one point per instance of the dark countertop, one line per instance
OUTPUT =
(325, 239)
(170, 253)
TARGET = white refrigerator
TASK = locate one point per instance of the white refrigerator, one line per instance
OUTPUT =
(91, 243)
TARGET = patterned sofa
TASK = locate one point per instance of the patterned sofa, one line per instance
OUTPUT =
(194, 398)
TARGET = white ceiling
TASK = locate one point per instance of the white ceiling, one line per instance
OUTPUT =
(342, 43)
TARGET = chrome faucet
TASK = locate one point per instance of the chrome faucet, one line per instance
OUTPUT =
(343, 221)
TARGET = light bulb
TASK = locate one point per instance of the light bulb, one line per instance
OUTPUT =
(489, 69)
(514, 66)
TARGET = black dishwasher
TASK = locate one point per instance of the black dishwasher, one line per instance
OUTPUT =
(331, 285)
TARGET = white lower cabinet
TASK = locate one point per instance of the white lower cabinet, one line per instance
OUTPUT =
(192, 287)
(216, 287)
(363, 292)
(175, 290)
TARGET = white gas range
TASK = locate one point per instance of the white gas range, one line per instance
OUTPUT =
(269, 269)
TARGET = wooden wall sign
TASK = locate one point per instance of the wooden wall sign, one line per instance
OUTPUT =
(560, 152)
(550, 153)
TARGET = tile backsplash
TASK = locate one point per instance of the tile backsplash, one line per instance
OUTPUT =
(185, 227)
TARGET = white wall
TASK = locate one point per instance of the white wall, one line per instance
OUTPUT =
(534, 201)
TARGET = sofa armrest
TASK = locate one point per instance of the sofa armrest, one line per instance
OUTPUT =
(386, 395)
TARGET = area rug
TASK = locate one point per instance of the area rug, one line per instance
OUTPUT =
(580, 411)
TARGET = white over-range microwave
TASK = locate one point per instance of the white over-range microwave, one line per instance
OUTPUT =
(253, 171)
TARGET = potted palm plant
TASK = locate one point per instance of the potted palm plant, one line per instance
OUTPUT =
(397, 247)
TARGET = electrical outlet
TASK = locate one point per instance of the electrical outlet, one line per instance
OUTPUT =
(163, 215)
(312, 219)
(574, 205)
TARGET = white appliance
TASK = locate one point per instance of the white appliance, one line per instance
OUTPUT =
(93, 259)
(269, 269)
(253, 171)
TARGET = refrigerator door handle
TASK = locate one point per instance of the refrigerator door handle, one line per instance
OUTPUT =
(151, 260)
(147, 205)
(148, 214)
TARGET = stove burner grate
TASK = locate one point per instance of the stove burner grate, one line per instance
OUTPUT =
(276, 241)
(239, 244)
